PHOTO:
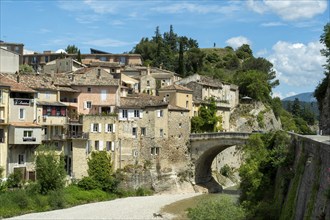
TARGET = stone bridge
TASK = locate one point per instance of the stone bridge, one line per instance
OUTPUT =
(205, 147)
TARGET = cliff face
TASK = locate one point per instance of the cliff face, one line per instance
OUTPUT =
(325, 113)
(254, 117)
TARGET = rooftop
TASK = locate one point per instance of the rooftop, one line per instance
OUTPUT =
(141, 101)
(176, 87)
(11, 81)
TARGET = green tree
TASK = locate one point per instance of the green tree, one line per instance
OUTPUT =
(207, 120)
(101, 171)
(264, 154)
(79, 56)
(321, 89)
(253, 84)
(296, 108)
(244, 52)
(25, 68)
(49, 169)
(72, 49)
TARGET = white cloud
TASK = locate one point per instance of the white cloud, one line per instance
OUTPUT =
(236, 42)
(298, 64)
(107, 42)
(289, 10)
(196, 8)
(272, 24)
(262, 53)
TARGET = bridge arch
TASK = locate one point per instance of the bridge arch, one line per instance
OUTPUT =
(204, 148)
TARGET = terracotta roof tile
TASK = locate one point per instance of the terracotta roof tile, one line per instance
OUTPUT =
(9, 80)
(176, 87)
(141, 101)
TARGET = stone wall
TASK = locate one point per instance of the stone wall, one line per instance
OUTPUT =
(311, 168)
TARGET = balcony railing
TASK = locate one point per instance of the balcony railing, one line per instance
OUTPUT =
(29, 139)
(20, 101)
(79, 135)
(74, 100)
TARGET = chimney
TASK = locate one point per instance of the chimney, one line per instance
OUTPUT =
(17, 76)
(148, 70)
(161, 66)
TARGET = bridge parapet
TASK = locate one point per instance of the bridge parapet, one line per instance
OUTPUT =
(216, 135)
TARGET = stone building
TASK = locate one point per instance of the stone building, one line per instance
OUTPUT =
(177, 95)
(20, 132)
(9, 61)
(225, 95)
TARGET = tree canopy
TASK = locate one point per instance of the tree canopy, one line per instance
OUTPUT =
(72, 49)
(321, 89)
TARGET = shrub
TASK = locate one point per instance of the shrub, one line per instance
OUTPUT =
(226, 171)
(222, 208)
(15, 179)
(89, 183)
(56, 199)
(100, 170)
(50, 169)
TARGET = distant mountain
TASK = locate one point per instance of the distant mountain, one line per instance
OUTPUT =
(303, 97)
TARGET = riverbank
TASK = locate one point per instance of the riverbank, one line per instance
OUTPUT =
(126, 208)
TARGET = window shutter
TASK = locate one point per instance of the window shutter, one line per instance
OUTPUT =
(100, 110)
(85, 104)
(158, 113)
(120, 114)
(91, 128)
(106, 128)
(112, 146)
(141, 113)
(101, 145)
(100, 128)
(113, 128)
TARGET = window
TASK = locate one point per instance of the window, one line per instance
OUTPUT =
(110, 146)
(112, 70)
(134, 132)
(180, 125)
(148, 83)
(154, 151)
(110, 127)
(187, 104)
(160, 113)
(27, 133)
(103, 95)
(89, 89)
(21, 113)
(88, 104)
(161, 132)
(97, 145)
(95, 127)
(21, 159)
(143, 131)
(136, 113)
(2, 135)
(124, 112)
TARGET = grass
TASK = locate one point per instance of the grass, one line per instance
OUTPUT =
(180, 208)
(23, 201)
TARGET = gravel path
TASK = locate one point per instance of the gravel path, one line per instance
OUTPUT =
(126, 208)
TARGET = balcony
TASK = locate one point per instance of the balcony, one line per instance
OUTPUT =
(79, 135)
(29, 139)
(21, 101)
(58, 137)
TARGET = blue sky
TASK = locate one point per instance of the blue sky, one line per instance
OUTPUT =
(285, 32)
